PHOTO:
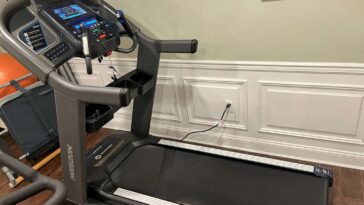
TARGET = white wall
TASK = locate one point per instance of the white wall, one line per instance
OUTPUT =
(306, 111)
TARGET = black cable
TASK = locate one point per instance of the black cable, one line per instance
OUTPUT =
(129, 30)
(211, 128)
(132, 47)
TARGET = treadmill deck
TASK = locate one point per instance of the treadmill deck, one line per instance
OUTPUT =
(197, 177)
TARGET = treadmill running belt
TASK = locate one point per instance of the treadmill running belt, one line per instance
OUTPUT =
(186, 177)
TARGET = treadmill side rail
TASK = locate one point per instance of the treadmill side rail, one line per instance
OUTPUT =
(325, 173)
(141, 197)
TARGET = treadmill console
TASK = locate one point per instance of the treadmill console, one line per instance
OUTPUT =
(74, 20)
(57, 31)
(33, 37)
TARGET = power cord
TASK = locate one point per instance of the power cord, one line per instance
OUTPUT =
(211, 128)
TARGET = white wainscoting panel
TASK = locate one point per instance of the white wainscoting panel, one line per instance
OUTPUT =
(166, 104)
(326, 112)
(204, 95)
(307, 111)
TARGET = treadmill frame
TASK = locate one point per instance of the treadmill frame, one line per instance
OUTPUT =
(71, 101)
(72, 132)
(135, 198)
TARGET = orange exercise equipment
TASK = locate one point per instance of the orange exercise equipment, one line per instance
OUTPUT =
(11, 69)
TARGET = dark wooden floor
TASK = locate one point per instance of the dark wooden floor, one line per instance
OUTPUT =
(348, 186)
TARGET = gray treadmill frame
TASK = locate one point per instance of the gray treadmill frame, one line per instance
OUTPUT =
(73, 133)
(71, 98)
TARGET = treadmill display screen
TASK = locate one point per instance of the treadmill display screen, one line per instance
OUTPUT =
(69, 12)
(88, 23)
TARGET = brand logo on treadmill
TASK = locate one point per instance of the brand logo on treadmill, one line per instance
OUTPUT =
(71, 164)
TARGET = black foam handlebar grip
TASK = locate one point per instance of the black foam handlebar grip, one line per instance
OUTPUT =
(40, 183)
(178, 46)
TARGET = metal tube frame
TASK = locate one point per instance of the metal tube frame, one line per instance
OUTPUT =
(71, 120)
(71, 98)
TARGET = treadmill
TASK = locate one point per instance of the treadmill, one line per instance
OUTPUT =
(135, 167)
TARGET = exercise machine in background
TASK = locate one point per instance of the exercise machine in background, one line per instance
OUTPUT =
(21, 119)
(27, 108)
(15, 98)
(135, 167)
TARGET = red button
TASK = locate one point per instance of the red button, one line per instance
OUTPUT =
(108, 53)
(102, 36)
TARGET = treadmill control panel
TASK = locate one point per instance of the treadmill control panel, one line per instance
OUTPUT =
(33, 37)
(72, 16)
(56, 52)
(57, 31)
(73, 20)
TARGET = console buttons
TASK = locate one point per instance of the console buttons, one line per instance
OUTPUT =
(33, 37)
(102, 36)
(56, 52)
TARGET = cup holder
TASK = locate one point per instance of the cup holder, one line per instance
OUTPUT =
(127, 84)
(97, 116)
(141, 78)
(136, 83)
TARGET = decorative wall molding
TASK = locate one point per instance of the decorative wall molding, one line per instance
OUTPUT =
(235, 92)
(167, 90)
(347, 94)
(271, 104)
(254, 145)
(257, 66)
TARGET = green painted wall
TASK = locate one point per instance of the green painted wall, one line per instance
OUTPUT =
(286, 30)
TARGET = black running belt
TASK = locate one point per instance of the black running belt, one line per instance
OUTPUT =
(186, 177)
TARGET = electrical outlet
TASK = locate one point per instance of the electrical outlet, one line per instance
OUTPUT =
(231, 108)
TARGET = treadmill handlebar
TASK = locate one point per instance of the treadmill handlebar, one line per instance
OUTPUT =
(12, 45)
(90, 94)
(178, 46)
(39, 183)
(167, 46)
(162, 46)
(115, 95)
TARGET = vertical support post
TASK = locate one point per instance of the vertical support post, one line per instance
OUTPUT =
(148, 62)
(72, 134)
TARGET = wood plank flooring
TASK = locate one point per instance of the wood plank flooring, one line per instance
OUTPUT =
(348, 186)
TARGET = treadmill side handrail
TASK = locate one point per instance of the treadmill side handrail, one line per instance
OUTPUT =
(89, 94)
(25, 56)
(40, 183)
